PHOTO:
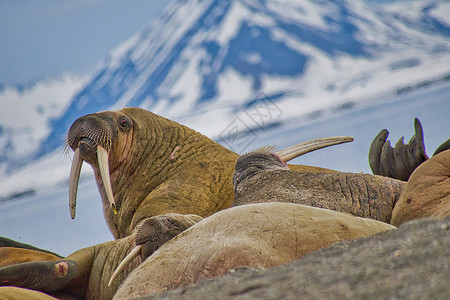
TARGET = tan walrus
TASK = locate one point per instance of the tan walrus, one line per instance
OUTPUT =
(146, 165)
(259, 235)
(427, 193)
(13, 252)
(255, 235)
(16, 293)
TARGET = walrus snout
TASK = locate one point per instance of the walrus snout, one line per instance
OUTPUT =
(96, 128)
(153, 232)
(91, 138)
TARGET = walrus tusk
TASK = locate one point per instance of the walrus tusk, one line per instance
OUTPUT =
(103, 165)
(299, 149)
(73, 181)
(125, 262)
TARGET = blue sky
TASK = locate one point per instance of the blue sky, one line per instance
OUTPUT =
(48, 37)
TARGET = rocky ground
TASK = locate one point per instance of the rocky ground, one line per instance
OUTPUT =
(412, 262)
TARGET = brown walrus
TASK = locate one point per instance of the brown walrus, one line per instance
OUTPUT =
(262, 177)
(15, 293)
(12, 255)
(13, 252)
(256, 235)
(427, 193)
(146, 165)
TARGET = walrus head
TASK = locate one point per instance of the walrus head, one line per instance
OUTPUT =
(93, 137)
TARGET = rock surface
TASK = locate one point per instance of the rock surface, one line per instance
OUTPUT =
(412, 262)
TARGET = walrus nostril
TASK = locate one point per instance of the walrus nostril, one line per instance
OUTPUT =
(87, 141)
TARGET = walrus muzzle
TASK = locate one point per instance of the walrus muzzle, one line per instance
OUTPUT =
(91, 138)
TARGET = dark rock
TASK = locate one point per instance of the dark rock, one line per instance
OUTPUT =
(412, 262)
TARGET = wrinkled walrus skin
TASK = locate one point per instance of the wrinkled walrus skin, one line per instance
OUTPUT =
(85, 273)
(82, 275)
(263, 177)
(256, 235)
(157, 166)
(427, 193)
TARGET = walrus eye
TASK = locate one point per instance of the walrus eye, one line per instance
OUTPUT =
(123, 122)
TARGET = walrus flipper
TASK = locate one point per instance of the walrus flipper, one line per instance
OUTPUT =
(398, 162)
(44, 276)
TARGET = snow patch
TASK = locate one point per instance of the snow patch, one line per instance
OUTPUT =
(25, 114)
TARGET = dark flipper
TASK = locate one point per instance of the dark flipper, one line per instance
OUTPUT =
(401, 161)
(44, 276)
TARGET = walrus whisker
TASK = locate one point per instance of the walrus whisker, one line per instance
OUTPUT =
(103, 165)
(73, 181)
(125, 262)
(297, 150)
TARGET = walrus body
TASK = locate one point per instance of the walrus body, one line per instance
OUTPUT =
(427, 193)
(257, 235)
(262, 177)
(15, 293)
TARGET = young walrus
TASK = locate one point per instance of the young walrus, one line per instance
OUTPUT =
(261, 177)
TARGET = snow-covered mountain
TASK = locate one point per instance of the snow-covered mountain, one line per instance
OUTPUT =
(205, 62)
(25, 112)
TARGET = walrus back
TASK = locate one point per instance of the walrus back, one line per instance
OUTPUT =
(361, 195)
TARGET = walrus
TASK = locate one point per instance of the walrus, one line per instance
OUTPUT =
(259, 235)
(85, 273)
(427, 193)
(256, 235)
(146, 165)
(261, 176)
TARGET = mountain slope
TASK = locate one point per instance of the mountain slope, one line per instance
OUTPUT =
(205, 62)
